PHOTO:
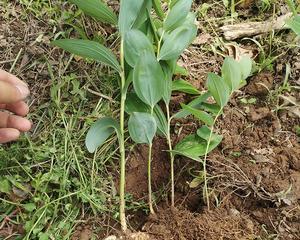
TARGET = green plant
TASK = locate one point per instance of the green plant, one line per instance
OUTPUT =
(294, 21)
(149, 49)
(220, 88)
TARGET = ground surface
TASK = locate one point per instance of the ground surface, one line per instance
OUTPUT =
(50, 188)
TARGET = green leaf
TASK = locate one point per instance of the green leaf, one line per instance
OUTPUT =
(196, 103)
(294, 24)
(204, 132)
(181, 71)
(218, 89)
(194, 146)
(5, 186)
(161, 121)
(30, 207)
(158, 9)
(231, 73)
(184, 86)
(143, 16)
(129, 12)
(100, 131)
(97, 9)
(246, 66)
(177, 41)
(134, 104)
(43, 236)
(142, 127)
(89, 49)
(210, 107)
(177, 15)
(148, 79)
(135, 42)
(201, 115)
(167, 69)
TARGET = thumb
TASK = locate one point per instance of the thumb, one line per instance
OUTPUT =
(11, 93)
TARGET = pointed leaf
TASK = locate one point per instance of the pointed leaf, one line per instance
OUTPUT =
(161, 121)
(158, 9)
(204, 132)
(231, 73)
(201, 115)
(89, 49)
(177, 15)
(181, 71)
(294, 24)
(167, 69)
(184, 86)
(196, 103)
(135, 104)
(135, 42)
(218, 89)
(148, 79)
(129, 12)
(177, 41)
(246, 66)
(100, 132)
(97, 9)
(143, 15)
(142, 127)
(194, 146)
(211, 107)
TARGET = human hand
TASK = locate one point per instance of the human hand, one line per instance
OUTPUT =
(13, 91)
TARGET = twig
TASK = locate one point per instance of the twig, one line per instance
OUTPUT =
(100, 95)
(232, 32)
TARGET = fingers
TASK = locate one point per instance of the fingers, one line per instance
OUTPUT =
(19, 108)
(8, 135)
(9, 78)
(12, 89)
(10, 93)
(12, 121)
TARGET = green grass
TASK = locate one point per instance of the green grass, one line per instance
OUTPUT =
(50, 170)
(48, 181)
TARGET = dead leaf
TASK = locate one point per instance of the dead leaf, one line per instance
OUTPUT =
(235, 51)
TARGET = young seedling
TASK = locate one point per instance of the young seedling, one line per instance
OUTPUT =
(169, 34)
(220, 88)
(149, 49)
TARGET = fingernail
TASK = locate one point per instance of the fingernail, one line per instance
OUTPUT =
(23, 90)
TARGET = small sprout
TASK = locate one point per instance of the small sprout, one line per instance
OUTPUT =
(248, 101)
(236, 154)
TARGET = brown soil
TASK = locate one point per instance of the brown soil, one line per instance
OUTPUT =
(257, 178)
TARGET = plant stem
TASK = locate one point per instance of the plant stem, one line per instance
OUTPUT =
(122, 143)
(171, 157)
(149, 179)
(232, 8)
(149, 175)
(205, 159)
